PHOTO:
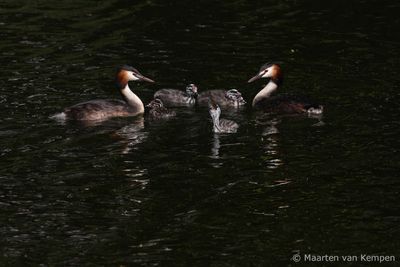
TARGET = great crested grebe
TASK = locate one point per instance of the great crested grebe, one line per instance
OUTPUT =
(226, 98)
(158, 111)
(220, 125)
(102, 109)
(178, 98)
(280, 103)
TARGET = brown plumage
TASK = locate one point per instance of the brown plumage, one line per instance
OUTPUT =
(225, 98)
(178, 98)
(158, 111)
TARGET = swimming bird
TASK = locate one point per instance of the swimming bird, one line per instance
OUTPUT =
(178, 98)
(158, 111)
(226, 98)
(288, 104)
(102, 109)
(220, 125)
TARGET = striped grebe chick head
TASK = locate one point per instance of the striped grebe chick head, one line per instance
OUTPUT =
(191, 90)
(127, 73)
(155, 103)
(269, 70)
(236, 97)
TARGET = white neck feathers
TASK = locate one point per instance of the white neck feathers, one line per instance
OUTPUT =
(265, 92)
(132, 99)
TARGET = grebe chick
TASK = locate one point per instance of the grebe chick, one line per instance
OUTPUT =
(226, 98)
(178, 98)
(288, 104)
(102, 109)
(158, 111)
(221, 125)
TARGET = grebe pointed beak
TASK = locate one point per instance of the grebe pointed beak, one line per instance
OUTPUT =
(258, 76)
(143, 78)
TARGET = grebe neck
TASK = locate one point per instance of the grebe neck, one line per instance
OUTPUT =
(266, 91)
(131, 98)
(215, 120)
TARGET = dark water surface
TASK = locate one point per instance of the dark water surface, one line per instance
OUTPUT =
(139, 193)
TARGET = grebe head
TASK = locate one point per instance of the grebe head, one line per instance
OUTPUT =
(214, 109)
(269, 70)
(127, 73)
(235, 96)
(155, 103)
(191, 90)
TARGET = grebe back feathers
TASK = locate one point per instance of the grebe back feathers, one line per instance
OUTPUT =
(178, 98)
(226, 98)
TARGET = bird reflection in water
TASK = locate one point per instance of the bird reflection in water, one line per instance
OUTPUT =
(131, 135)
(317, 117)
(271, 152)
(137, 177)
(216, 145)
(270, 140)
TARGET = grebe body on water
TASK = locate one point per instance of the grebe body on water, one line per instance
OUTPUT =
(178, 98)
(158, 111)
(288, 104)
(220, 125)
(225, 98)
(102, 109)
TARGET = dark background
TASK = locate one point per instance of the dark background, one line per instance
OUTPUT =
(136, 193)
